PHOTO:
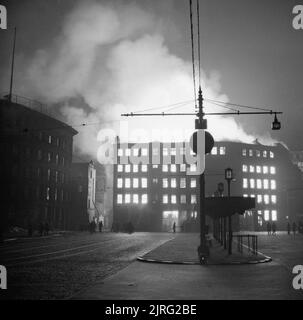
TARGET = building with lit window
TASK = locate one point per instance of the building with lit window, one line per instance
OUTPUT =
(35, 166)
(155, 195)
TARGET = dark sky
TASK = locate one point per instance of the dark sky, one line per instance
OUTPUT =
(252, 44)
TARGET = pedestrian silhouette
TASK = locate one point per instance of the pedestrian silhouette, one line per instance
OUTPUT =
(294, 228)
(268, 228)
(274, 228)
(288, 228)
(174, 227)
(100, 226)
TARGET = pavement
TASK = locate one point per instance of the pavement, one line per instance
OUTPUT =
(150, 281)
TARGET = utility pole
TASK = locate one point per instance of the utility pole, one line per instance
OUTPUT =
(12, 68)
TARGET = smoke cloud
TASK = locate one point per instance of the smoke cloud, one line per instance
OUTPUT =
(113, 58)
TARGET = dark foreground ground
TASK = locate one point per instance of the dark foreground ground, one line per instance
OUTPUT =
(57, 267)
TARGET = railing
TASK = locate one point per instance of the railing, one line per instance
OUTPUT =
(252, 242)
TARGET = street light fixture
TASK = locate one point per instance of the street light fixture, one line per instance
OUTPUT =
(276, 125)
(229, 177)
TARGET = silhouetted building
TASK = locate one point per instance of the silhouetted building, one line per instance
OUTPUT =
(35, 166)
(83, 193)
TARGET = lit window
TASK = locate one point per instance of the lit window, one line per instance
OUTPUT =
(119, 198)
(48, 156)
(144, 152)
(273, 185)
(173, 151)
(135, 183)
(252, 195)
(193, 199)
(250, 153)
(245, 195)
(127, 152)
(119, 183)
(274, 199)
(165, 183)
(135, 198)
(266, 199)
(155, 151)
(173, 199)
(47, 193)
(271, 154)
(155, 180)
(193, 167)
(214, 151)
(183, 167)
(244, 168)
(127, 183)
(144, 183)
(182, 183)
(48, 174)
(244, 152)
(135, 152)
(173, 183)
(258, 153)
(165, 168)
(120, 152)
(165, 151)
(258, 169)
(165, 198)
(144, 168)
(144, 199)
(183, 198)
(193, 183)
(274, 215)
(264, 154)
(272, 170)
(265, 169)
(127, 168)
(259, 184)
(120, 168)
(49, 139)
(259, 198)
(251, 169)
(222, 150)
(245, 185)
(155, 166)
(265, 183)
(266, 215)
(173, 168)
(135, 168)
(127, 198)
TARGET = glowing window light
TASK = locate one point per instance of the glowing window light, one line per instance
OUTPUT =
(274, 215)
(165, 168)
(193, 167)
(183, 167)
(144, 168)
(127, 183)
(271, 154)
(245, 183)
(173, 168)
(135, 198)
(258, 169)
(259, 198)
(222, 151)
(135, 168)
(251, 153)
(273, 184)
(120, 152)
(214, 151)
(252, 195)
(119, 183)
(173, 151)
(251, 169)
(155, 151)
(244, 168)
(135, 183)
(193, 199)
(183, 198)
(127, 198)
(144, 152)
(165, 151)
(165, 198)
(265, 184)
(245, 195)
(182, 183)
(259, 184)
(127, 168)
(252, 183)
(258, 153)
(260, 221)
(173, 199)
(266, 199)
(265, 169)
(173, 183)
(119, 198)
(165, 183)
(144, 198)
(272, 170)
(127, 152)
(244, 152)
(143, 182)
(193, 183)
(266, 215)
(274, 199)
(264, 154)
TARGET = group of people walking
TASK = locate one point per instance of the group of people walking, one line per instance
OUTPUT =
(93, 226)
(272, 228)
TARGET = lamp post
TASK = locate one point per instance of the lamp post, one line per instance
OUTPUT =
(221, 190)
(229, 178)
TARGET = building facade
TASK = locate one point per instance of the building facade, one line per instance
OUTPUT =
(155, 195)
(83, 194)
(35, 167)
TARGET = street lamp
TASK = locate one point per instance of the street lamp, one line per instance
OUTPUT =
(229, 177)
